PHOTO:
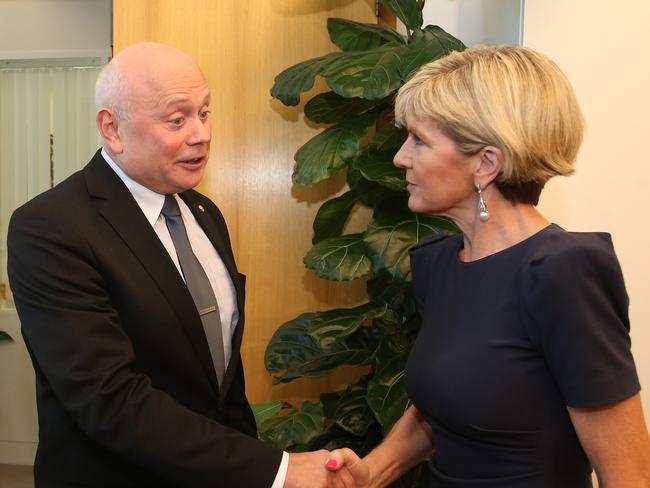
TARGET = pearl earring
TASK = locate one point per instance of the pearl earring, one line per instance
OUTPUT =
(483, 213)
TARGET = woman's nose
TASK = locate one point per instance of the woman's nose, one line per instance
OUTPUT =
(401, 159)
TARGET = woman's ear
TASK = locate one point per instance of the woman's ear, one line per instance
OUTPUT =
(490, 165)
(108, 126)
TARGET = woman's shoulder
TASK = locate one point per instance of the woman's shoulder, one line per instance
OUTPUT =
(558, 247)
(574, 307)
(434, 252)
(436, 242)
(562, 263)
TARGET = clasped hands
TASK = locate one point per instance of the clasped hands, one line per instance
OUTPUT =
(341, 468)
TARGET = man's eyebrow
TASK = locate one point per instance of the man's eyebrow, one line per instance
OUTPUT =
(175, 99)
(182, 99)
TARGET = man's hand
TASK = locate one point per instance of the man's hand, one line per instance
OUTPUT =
(307, 470)
(354, 471)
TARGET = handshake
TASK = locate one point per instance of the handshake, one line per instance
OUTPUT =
(341, 468)
(409, 442)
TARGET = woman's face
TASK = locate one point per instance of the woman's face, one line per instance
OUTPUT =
(439, 178)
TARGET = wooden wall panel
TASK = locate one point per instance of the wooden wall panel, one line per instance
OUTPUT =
(241, 46)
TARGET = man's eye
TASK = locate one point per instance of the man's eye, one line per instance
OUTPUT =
(204, 115)
(178, 121)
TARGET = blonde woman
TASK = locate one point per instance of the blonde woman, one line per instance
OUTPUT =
(522, 374)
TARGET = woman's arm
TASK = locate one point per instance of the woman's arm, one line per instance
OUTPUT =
(615, 438)
(409, 442)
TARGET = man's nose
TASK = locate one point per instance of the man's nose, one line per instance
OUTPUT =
(200, 131)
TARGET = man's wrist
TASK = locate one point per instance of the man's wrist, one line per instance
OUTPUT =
(281, 475)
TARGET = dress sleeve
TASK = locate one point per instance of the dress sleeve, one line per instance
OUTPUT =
(576, 312)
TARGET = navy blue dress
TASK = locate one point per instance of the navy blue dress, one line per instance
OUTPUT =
(507, 343)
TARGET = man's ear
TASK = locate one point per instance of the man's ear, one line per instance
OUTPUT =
(108, 125)
(491, 161)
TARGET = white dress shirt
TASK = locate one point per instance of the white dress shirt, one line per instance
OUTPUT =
(151, 204)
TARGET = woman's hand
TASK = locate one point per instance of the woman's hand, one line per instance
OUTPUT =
(409, 442)
(358, 469)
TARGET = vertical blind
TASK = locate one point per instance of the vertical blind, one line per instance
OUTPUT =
(47, 132)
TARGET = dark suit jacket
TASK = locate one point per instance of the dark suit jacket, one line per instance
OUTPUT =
(127, 395)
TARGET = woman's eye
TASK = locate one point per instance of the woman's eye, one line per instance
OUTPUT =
(416, 139)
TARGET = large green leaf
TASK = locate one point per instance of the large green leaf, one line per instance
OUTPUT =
(333, 325)
(354, 36)
(388, 138)
(386, 393)
(296, 429)
(299, 78)
(352, 423)
(372, 74)
(408, 11)
(384, 288)
(331, 108)
(332, 216)
(352, 411)
(378, 166)
(339, 258)
(264, 411)
(363, 179)
(370, 193)
(329, 400)
(427, 45)
(402, 318)
(393, 230)
(330, 151)
(293, 353)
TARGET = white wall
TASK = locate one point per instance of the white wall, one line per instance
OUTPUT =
(604, 49)
(38, 29)
(477, 21)
(48, 28)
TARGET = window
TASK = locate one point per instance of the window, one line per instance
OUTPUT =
(47, 132)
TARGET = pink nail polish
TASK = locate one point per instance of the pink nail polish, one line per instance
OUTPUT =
(331, 463)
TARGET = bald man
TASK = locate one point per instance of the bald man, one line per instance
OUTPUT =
(128, 388)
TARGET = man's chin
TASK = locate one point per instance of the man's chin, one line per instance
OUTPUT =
(188, 179)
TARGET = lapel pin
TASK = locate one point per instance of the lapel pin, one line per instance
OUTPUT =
(201, 208)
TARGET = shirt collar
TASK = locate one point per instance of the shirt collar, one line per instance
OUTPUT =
(149, 201)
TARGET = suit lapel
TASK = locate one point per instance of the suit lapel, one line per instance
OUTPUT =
(220, 243)
(121, 211)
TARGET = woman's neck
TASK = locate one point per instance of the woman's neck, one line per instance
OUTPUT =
(508, 224)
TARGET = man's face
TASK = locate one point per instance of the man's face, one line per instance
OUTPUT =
(166, 137)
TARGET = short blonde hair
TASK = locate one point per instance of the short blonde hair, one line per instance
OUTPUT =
(510, 97)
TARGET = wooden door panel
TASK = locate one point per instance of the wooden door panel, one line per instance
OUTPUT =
(241, 46)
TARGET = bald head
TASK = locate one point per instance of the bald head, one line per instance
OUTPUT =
(136, 70)
(153, 116)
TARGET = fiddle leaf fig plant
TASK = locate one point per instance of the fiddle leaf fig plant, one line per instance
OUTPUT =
(374, 61)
